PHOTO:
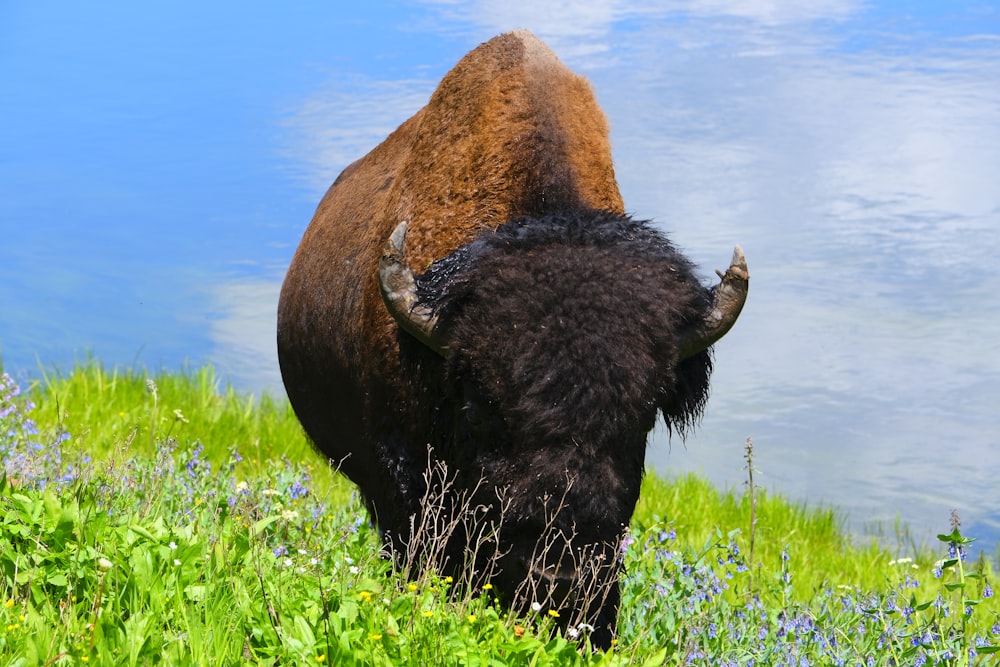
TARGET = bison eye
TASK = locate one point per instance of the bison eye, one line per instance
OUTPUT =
(475, 414)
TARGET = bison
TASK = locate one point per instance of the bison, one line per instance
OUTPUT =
(476, 334)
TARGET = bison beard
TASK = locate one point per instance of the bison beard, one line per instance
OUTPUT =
(494, 409)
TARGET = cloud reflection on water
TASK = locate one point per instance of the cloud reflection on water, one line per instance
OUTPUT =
(243, 333)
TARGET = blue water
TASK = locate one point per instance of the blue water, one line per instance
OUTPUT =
(158, 165)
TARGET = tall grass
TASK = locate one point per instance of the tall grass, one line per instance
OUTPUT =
(130, 412)
(167, 547)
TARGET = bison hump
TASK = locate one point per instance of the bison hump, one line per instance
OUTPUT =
(509, 131)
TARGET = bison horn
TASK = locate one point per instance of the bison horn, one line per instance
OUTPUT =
(399, 292)
(728, 298)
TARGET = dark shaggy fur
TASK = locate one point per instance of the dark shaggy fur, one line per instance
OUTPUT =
(581, 311)
(562, 336)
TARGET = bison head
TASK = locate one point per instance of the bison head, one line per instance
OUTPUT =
(559, 339)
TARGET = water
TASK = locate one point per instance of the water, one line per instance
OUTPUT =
(158, 166)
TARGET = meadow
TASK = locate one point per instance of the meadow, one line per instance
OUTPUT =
(170, 520)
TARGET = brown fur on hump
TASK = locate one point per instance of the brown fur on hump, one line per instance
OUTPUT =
(509, 131)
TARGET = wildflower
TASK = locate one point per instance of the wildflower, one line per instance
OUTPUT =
(353, 569)
(572, 633)
(179, 416)
(987, 591)
(536, 607)
(553, 613)
(428, 613)
(177, 563)
(172, 545)
(321, 657)
(374, 637)
(297, 491)
(471, 618)
(519, 631)
(8, 604)
(412, 588)
(487, 587)
(104, 564)
(289, 515)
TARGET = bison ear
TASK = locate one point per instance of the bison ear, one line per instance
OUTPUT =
(399, 292)
(728, 298)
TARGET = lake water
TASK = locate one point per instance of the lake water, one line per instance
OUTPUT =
(158, 166)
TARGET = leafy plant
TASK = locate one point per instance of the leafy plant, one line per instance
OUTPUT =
(183, 554)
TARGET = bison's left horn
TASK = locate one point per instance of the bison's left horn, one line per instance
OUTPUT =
(728, 298)
(399, 291)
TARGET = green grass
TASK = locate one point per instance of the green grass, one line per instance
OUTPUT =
(819, 550)
(220, 538)
(111, 412)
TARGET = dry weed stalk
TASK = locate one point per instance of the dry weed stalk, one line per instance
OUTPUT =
(456, 534)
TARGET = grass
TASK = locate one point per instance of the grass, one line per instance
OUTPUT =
(134, 535)
(115, 412)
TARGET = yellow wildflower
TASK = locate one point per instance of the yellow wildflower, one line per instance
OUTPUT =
(553, 613)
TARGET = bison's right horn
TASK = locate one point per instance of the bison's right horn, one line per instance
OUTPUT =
(728, 298)
(399, 292)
